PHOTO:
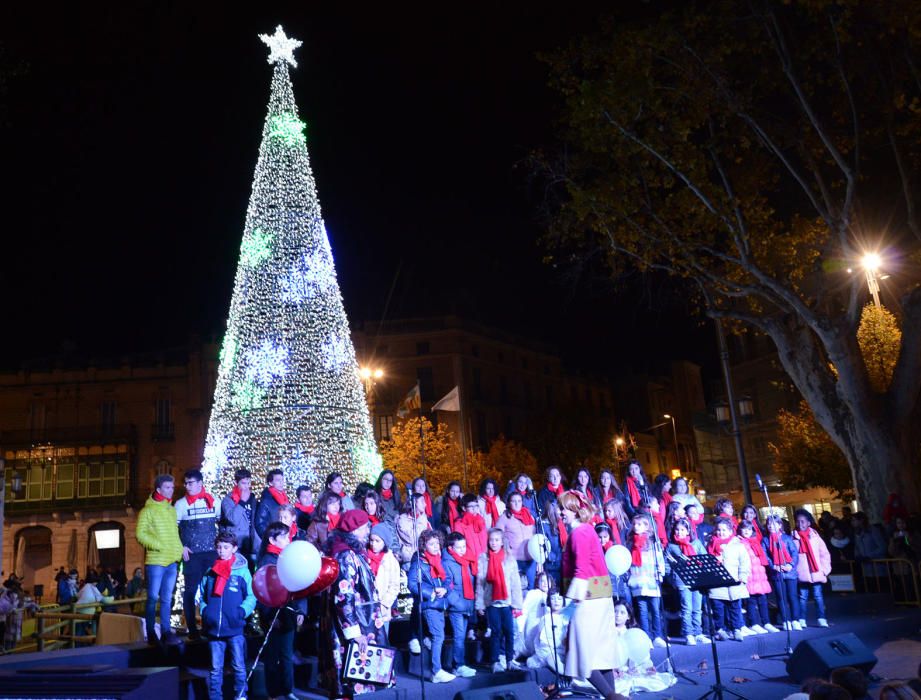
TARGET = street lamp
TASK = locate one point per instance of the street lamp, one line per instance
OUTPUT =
(368, 375)
(670, 417)
(871, 262)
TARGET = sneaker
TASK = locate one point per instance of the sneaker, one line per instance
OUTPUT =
(802, 623)
(739, 635)
(722, 635)
(770, 628)
(788, 626)
(171, 639)
(498, 667)
(658, 642)
(464, 671)
(488, 633)
(797, 626)
(692, 640)
(747, 631)
(823, 622)
(758, 629)
(502, 660)
(414, 646)
(471, 635)
(515, 666)
(443, 677)
(427, 643)
(703, 639)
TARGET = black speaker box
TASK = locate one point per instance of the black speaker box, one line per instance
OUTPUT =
(817, 658)
(527, 690)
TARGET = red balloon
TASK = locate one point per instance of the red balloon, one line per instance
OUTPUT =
(268, 588)
(329, 572)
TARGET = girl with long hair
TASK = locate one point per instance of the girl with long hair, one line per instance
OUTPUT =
(635, 483)
(518, 525)
(325, 518)
(646, 570)
(783, 558)
(421, 486)
(682, 543)
(389, 491)
(491, 506)
(449, 506)
(607, 487)
(498, 597)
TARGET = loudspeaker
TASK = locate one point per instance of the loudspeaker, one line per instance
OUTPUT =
(817, 658)
(528, 690)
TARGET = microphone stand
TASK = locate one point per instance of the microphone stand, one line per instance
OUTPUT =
(784, 605)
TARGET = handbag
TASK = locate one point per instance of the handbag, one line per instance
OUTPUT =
(374, 665)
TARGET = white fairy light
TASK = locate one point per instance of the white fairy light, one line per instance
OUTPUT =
(281, 48)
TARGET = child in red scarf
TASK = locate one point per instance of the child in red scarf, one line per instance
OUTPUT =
(645, 574)
(498, 597)
(683, 543)
(813, 567)
(386, 569)
(472, 526)
(727, 601)
(462, 567)
(429, 582)
(450, 503)
(756, 612)
(783, 556)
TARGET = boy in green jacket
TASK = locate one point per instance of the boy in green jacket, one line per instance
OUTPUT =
(158, 533)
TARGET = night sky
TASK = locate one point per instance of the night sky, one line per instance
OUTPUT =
(130, 136)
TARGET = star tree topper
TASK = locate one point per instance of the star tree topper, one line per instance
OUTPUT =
(282, 48)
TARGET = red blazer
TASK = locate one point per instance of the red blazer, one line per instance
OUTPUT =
(583, 557)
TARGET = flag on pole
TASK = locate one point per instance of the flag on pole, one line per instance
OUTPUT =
(450, 401)
(411, 402)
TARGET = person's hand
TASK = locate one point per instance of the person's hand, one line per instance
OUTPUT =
(300, 620)
(186, 553)
(481, 613)
(441, 592)
(362, 641)
(787, 567)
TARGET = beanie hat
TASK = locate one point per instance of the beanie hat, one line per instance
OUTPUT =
(384, 531)
(352, 520)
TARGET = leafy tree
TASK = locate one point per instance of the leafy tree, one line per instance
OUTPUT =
(756, 150)
(444, 460)
(506, 458)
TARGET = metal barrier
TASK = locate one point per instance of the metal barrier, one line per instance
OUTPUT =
(899, 574)
(63, 633)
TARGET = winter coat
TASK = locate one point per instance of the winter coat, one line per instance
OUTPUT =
(674, 550)
(516, 536)
(234, 517)
(527, 498)
(456, 600)
(476, 541)
(500, 506)
(387, 583)
(420, 573)
(158, 532)
(441, 513)
(197, 524)
(734, 557)
(643, 581)
(758, 579)
(318, 533)
(544, 498)
(266, 512)
(687, 499)
(822, 556)
(287, 617)
(409, 537)
(870, 544)
(792, 549)
(390, 509)
(484, 597)
(66, 593)
(225, 615)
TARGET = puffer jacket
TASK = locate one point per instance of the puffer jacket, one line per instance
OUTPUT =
(197, 524)
(405, 533)
(225, 615)
(158, 532)
(734, 557)
(822, 557)
(500, 507)
(792, 549)
(420, 572)
(517, 536)
(484, 588)
(234, 517)
(757, 580)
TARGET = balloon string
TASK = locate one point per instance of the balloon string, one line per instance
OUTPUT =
(256, 660)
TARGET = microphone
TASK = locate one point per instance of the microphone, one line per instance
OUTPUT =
(760, 483)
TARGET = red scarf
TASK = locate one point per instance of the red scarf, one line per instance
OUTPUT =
(492, 508)
(428, 504)
(375, 560)
(474, 521)
(236, 494)
(523, 492)
(495, 574)
(666, 499)
(754, 546)
(468, 572)
(757, 536)
(633, 490)
(695, 522)
(333, 520)
(292, 531)
(779, 553)
(159, 497)
(523, 516)
(558, 491)
(280, 496)
(660, 524)
(434, 560)
(304, 509)
(452, 512)
(386, 494)
(606, 493)
(716, 545)
(222, 569)
(805, 547)
(374, 519)
(561, 529)
(687, 547)
(607, 545)
(639, 544)
(615, 531)
(341, 494)
(273, 549)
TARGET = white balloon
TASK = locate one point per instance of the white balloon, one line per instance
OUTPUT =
(539, 548)
(298, 565)
(638, 645)
(618, 560)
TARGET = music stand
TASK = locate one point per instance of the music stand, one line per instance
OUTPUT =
(703, 572)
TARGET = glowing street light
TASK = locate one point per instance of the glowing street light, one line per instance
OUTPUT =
(871, 262)
(368, 376)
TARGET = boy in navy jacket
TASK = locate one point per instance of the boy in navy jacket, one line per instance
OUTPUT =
(461, 568)
(227, 599)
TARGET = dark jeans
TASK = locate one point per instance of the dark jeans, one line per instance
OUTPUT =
(435, 619)
(757, 610)
(787, 598)
(193, 571)
(278, 659)
(161, 581)
(727, 611)
(648, 614)
(502, 633)
(459, 632)
(237, 661)
(816, 589)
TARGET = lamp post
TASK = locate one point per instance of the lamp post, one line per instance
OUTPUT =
(368, 375)
(736, 431)
(871, 263)
(670, 417)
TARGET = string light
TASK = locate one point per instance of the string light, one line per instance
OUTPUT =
(288, 391)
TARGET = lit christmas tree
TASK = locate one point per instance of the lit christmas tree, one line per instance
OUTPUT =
(288, 392)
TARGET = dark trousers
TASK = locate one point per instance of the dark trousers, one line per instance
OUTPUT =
(756, 610)
(193, 571)
(727, 612)
(237, 646)
(787, 598)
(458, 636)
(502, 633)
(648, 614)
(278, 659)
